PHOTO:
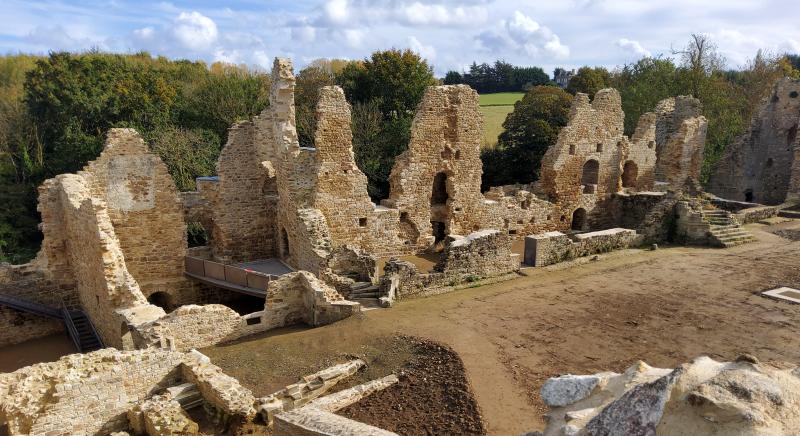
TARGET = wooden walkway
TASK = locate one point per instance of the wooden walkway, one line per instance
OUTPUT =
(251, 278)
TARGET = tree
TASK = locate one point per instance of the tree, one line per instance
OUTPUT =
(589, 80)
(306, 95)
(529, 130)
(700, 59)
(392, 83)
(396, 78)
(188, 154)
(642, 85)
(453, 78)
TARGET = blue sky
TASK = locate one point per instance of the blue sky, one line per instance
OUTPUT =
(449, 33)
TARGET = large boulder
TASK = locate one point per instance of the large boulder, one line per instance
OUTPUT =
(703, 397)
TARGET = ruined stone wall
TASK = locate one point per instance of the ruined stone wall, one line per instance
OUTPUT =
(28, 282)
(299, 297)
(758, 166)
(482, 254)
(584, 165)
(84, 393)
(682, 159)
(670, 116)
(554, 247)
(145, 211)
(445, 143)
(340, 182)
(639, 151)
(189, 326)
(247, 197)
(304, 240)
(104, 284)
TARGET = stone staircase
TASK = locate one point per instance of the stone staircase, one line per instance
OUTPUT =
(724, 229)
(187, 395)
(365, 293)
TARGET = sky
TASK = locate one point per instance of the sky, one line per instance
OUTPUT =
(450, 34)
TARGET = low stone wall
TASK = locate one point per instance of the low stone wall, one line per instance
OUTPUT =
(84, 393)
(190, 326)
(691, 228)
(299, 297)
(554, 247)
(228, 400)
(755, 214)
(481, 255)
(161, 416)
(486, 253)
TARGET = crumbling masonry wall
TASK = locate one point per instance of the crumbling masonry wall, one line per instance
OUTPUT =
(145, 211)
(593, 159)
(671, 113)
(244, 212)
(761, 166)
(443, 156)
(84, 393)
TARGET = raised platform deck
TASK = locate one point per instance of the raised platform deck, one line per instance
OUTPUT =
(251, 278)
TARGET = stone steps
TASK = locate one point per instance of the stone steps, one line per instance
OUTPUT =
(725, 230)
(187, 395)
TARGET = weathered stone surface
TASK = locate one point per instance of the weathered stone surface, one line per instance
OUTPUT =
(300, 297)
(702, 397)
(568, 389)
(762, 165)
(307, 389)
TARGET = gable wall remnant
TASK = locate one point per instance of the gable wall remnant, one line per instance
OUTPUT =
(438, 178)
(760, 165)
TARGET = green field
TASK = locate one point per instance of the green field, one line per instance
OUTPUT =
(495, 107)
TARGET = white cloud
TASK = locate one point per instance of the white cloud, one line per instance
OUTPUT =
(336, 11)
(426, 51)
(632, 46)
(535, 38)
(438, 14)
(195, 31)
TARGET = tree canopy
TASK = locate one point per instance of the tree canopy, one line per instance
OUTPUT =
(499, 77)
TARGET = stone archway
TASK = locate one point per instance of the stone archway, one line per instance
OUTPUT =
(630, 174)
(579, 219)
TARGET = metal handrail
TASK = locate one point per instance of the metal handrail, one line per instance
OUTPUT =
(71, 329)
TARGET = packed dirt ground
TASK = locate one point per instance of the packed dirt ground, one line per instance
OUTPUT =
(664, 307)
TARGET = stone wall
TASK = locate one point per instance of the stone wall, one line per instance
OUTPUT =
(651, 214)
(760, 166)
(299, 297)
(482, 254)
(554, 247)
(443, 156)
(593, 159)
(190, 326)
(223, 394)
(670, 116)
(340, 182)
(29, 282)
(244, 213)
(145, 211)
(84, 393)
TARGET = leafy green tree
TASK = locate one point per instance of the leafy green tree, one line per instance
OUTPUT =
(188, 154)
(642, 85)
(453, 78)
(589, 80)
(392, 82)
(309, 82)
(529, 130)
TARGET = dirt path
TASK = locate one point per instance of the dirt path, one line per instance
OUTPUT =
(664, 307)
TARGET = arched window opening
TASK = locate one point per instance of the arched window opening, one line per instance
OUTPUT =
(630, 173)
(285, 251)
(590, 176)
(579, 219)
(196, 235)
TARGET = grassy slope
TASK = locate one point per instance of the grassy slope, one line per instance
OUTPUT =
(495, 107)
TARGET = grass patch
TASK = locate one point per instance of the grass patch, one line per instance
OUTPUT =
(500, 98)
(495, 108)
(493, 117)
